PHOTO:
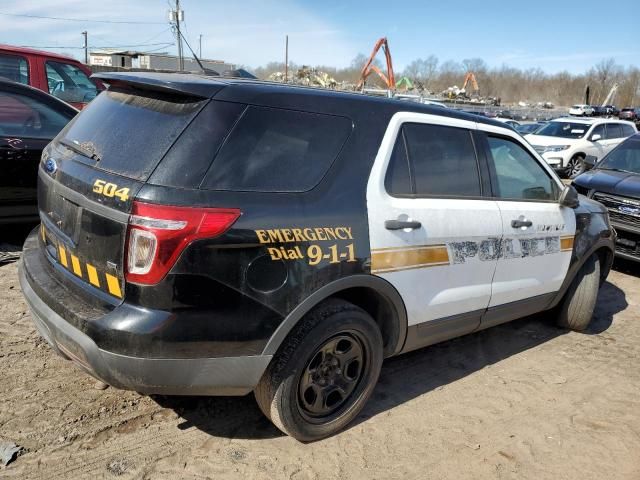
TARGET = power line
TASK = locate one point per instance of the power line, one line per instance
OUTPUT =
(42, 17)
(164, 44)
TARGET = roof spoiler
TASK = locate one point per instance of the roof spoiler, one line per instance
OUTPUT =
(174, 83)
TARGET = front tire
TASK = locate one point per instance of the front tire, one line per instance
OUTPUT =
(324, 372)
(575, 166)
(576, 310)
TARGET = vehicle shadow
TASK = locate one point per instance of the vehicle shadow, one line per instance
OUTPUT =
(402, 378)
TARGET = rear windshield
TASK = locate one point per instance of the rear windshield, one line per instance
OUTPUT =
(564, 130)
(277, 150)
(128, 133)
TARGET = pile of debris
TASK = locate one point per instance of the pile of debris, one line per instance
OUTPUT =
(307, 76)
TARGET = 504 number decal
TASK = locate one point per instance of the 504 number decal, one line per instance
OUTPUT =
(102, 187)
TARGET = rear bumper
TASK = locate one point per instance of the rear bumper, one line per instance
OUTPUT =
(170, 376)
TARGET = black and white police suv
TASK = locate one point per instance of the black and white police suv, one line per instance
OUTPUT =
(216, 237)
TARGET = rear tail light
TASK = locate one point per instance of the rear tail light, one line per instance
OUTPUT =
(158, 234)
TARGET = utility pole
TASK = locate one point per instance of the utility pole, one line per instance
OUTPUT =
(86, 48)
(175, 16)
(286, 58)
(200, 47)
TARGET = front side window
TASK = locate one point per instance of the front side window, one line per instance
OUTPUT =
(69, 83)
(26, 117)
(441, 162)
(14, 68)
(516, 174)
(599, 130)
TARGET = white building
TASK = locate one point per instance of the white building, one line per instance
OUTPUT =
(153, 61)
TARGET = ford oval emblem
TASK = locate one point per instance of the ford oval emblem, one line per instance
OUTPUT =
(629, 210)
(50, 165)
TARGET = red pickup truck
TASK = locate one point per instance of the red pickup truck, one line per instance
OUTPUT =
(61, 76)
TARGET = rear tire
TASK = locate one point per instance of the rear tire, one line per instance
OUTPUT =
(323, 373)
(576, 310)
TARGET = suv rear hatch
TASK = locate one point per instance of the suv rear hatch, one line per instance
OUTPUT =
(90, 175)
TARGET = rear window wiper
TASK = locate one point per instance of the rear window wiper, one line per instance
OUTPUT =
(76, 147)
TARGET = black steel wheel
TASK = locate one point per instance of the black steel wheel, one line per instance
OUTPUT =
(323, 373)
(331, 376)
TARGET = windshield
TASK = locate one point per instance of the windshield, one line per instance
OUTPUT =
(626, 157)
(563, 130)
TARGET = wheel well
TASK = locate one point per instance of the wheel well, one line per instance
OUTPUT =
(381, 309)
(605, 257)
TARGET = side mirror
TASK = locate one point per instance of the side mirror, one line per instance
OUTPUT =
(590, 162)
(595, 137)
(569, 197)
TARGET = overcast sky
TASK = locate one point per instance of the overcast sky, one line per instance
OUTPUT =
(553, 35)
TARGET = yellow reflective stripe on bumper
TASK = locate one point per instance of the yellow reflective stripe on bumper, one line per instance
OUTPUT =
(75, 264)
(93, 275)
(62, 253)
(113, 285)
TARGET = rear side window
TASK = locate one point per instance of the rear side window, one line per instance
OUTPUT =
(276, 150)
(627, 130)
(26, 117)
(130, 133)
(442, 162)
(14, 68)
(614, 130)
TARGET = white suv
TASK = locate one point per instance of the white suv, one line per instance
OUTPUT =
(565, 142)
(581, 110)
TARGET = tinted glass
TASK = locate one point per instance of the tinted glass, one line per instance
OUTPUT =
(14, 68)
(398, 179)
(614, 130)
(564, 130)
(26, 117)
(443, 160)
(627, 130)
(275, 150)
(69, 83)
(188, 160)
(599, 130)
(626, 157)
(517, 175)
(130, 133)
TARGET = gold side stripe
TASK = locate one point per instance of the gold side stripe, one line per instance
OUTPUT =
(93, 275)
(566, 243)
(396, 259)
(62, 253)
(75, 263)
(113, 285)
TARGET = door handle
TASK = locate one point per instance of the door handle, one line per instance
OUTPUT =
(521, 223)
(401, 225)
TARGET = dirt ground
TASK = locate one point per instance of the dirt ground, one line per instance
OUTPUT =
(522, 400)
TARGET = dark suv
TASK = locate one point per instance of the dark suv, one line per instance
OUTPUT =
(615, 182)
(204, 236)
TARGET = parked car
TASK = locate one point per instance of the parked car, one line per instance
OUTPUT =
(565, 142)
(611, 110)
(631, 114)
(505, 114)
(526, 128)
(581, 111)
(599, 111)
(257, 244)
(59, 75)
(512, 123)
(615, 182)
(29, 119)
